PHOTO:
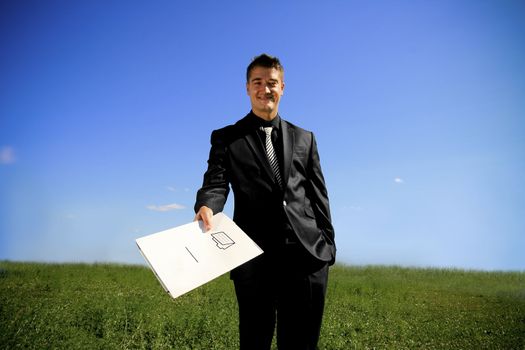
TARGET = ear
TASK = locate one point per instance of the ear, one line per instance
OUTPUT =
(247, 89)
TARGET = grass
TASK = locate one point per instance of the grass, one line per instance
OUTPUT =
(104, 306)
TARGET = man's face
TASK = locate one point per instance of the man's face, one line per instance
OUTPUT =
(265, 89)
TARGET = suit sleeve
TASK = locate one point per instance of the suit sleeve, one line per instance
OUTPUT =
(215, 187)
(321, 205)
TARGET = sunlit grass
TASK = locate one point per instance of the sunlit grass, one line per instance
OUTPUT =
(78, 306)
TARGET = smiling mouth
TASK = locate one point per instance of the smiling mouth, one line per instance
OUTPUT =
(267, 98)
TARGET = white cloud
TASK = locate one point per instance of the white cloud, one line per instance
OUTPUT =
(166, 207)
(352, 207)
(398, 180)
(7, 155)
(174, 189)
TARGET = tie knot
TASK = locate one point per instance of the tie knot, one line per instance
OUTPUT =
(267, 129)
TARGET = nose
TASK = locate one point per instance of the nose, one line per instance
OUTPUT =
(267, 89)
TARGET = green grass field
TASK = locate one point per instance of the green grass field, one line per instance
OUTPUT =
(104, 306)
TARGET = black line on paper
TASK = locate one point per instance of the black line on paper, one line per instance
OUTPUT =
(192, 254)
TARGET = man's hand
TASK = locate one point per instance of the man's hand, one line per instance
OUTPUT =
(205, 215)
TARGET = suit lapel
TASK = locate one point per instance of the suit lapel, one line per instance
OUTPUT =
(288, 144)
(257, 148)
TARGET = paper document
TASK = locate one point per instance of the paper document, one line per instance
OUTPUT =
(185, 257)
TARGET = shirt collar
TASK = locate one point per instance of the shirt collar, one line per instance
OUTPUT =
(258, 122)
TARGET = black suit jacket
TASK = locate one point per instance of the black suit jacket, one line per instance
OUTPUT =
(238, 159)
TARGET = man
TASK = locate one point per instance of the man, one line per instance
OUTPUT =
(281, 202)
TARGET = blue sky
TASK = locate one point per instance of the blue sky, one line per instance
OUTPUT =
(106, 108)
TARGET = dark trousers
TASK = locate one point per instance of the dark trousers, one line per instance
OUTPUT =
(283, 288)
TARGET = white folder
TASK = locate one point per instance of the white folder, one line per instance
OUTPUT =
(186, 257)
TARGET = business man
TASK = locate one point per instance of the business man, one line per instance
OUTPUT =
(281, 202)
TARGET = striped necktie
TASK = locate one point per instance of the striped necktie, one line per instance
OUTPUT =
(272, 157)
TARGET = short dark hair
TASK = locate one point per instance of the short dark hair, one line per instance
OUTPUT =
(265, 61)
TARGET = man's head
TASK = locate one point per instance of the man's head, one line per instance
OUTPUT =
(265, 61)
(265, 85)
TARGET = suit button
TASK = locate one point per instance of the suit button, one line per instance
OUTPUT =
(284, 203)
